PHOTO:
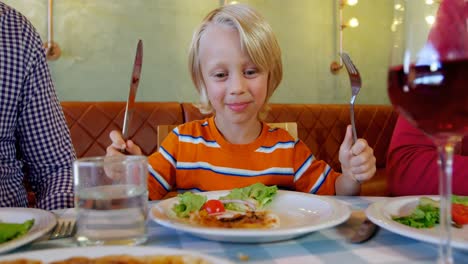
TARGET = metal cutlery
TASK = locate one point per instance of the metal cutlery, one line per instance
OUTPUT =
(63, 229)
(366, 229)
(356, 83)
(134, 81)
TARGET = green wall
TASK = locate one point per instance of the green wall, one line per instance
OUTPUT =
(98, 40)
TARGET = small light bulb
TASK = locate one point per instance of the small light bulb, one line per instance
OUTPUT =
(351, 2)
(353, 22)
(398, 6)
(429, 2)
(430, 20)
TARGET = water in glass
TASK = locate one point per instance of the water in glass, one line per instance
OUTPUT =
(111, 200)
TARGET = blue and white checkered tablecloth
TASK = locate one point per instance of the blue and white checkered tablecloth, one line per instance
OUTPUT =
(325, 246)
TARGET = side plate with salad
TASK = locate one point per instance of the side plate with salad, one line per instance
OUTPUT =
(43, 221)
(298, 214)
(396, 215)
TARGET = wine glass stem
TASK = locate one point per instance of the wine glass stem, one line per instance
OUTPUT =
(446, 149)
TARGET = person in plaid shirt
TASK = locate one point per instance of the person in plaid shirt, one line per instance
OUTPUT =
(34, 138)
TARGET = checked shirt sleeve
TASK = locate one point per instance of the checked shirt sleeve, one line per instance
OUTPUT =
(44, 140)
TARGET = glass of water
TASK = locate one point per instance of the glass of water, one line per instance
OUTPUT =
(111, 198)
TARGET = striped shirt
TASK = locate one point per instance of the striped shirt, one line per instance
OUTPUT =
(34, 137)
(195, 156)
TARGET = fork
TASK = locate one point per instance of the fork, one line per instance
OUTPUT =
(367, 229)
(356, 83)
(63, 229)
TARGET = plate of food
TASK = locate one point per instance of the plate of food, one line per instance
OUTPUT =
(19, 226)
(417, 217)
(252, 214)
(113, 254)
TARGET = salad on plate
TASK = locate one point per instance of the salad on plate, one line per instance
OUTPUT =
(10, 231)
(426, 213)
(241, 208)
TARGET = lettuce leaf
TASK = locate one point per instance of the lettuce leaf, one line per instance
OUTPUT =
(9, 231)
(423, 216)
(188, 202)
(258, 193)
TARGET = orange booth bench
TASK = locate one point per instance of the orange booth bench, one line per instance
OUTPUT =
(320, 126)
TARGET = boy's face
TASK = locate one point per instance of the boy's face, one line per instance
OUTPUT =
(236, 88)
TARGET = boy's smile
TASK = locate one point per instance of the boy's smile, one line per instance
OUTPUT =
(238, 107)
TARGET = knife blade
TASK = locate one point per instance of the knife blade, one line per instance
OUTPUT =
(134, 81)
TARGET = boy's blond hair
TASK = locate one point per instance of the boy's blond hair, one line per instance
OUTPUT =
(256, 37)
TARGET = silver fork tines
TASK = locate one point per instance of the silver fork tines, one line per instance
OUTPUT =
(63, 229)
(356, 83)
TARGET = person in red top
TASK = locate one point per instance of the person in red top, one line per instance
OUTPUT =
(412, 156)
(412, 163)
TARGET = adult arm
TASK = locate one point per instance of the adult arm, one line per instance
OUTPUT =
(43, 137)
(412, 164)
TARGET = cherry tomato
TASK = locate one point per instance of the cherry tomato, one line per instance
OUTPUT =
(460, 214)
(213, 206)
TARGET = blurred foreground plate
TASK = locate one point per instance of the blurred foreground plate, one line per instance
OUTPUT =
(299, 214)
(50, 255)
(381, 214)
(44, 221)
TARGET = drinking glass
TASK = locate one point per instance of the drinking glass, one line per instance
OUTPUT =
(428, 84)
(111, 199)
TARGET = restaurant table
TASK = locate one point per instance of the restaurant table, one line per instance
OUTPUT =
(324, 246)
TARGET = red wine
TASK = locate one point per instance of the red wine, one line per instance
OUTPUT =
(434, 99)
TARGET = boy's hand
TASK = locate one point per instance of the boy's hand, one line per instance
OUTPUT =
(358, 160)
(114, 170)
(118, 143)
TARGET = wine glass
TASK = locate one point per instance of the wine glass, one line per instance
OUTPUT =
(428, 84)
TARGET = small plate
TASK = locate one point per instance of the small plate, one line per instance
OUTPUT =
(299, 214)
(44, 221)
(381, 214)
(50, 255)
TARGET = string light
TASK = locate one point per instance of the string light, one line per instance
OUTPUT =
(351, 2)
(353, 22)
(430, 20)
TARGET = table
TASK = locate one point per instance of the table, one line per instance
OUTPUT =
(325, 246)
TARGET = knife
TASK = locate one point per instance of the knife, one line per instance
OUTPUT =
(134, 81)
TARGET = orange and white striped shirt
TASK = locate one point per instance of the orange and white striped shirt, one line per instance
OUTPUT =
(196, 157)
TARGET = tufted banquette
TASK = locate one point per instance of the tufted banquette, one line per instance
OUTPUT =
(320, 126)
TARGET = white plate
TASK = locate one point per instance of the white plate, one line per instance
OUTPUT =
(44, 221)
(299, 214)
(381, 214)
(50, 255)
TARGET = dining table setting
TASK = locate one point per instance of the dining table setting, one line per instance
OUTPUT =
(113, 217)
(313, 229)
